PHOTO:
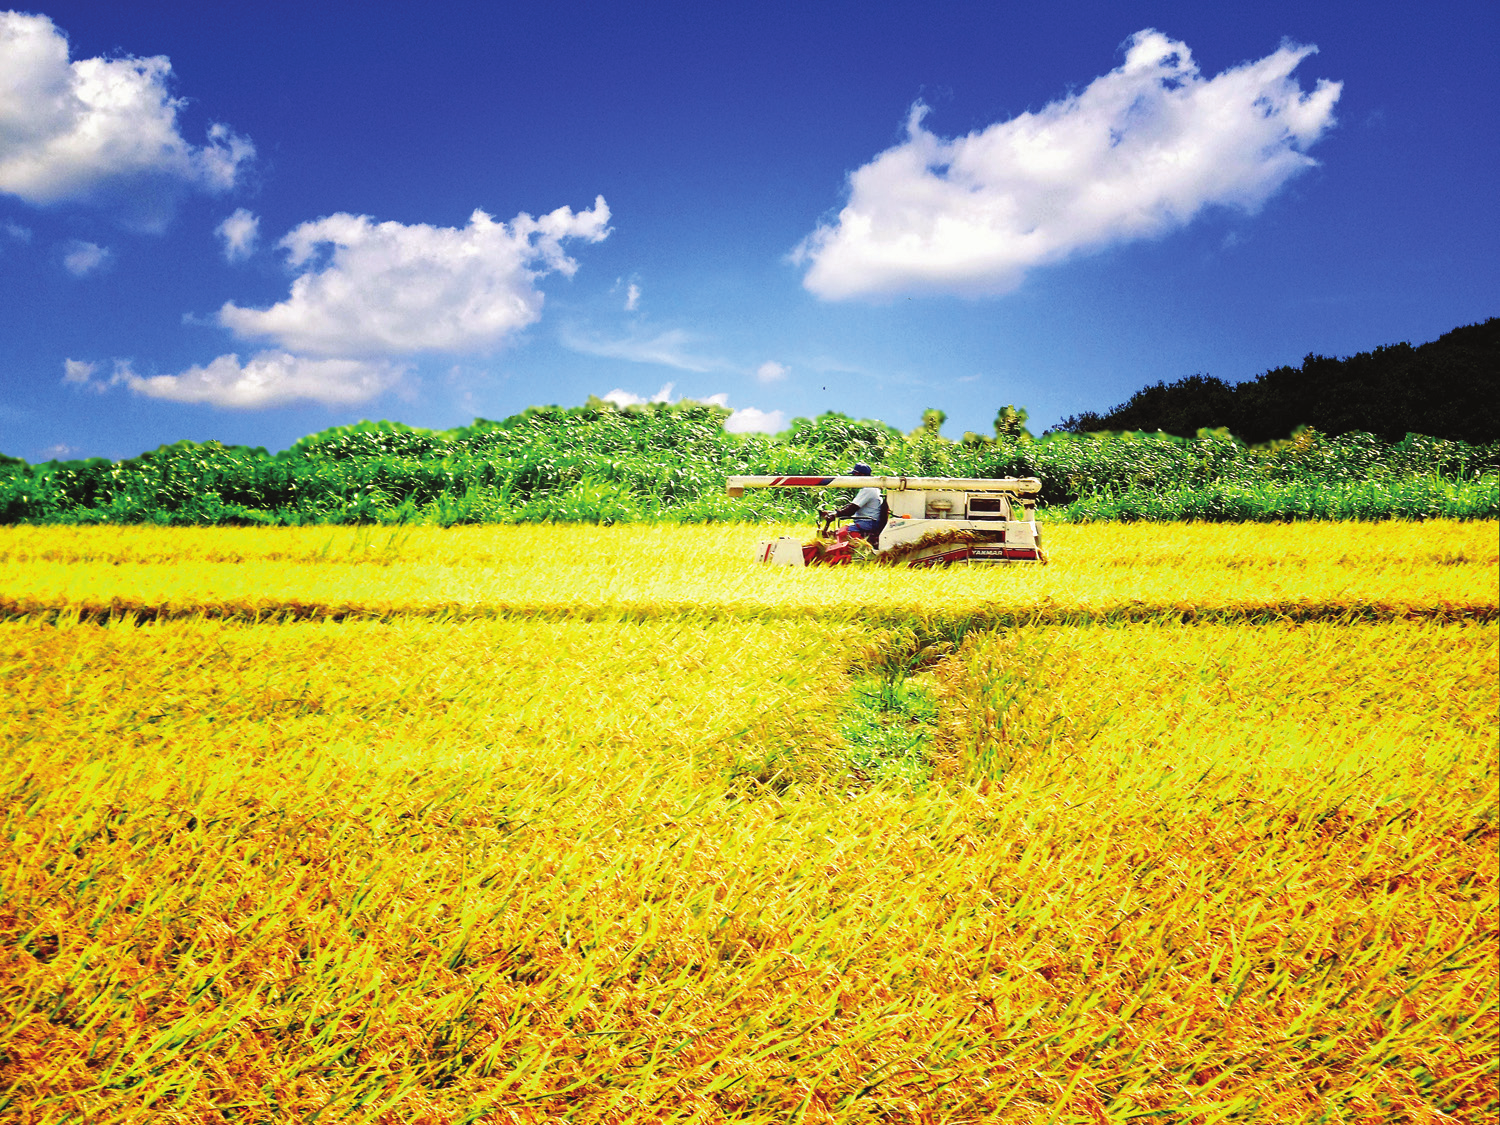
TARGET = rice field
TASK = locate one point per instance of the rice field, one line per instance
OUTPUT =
(526, 824)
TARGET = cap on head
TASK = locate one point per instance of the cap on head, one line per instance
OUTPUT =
(860, 470)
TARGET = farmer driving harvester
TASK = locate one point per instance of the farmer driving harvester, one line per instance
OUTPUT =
(928, 521)
(867, 508)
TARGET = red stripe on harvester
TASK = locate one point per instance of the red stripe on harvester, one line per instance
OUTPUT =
(803, 480)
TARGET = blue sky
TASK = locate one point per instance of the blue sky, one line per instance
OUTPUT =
(252, 222)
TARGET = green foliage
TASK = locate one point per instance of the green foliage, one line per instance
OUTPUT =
(1010, 423)
(887, 727)
(602, 464)
(932, 422)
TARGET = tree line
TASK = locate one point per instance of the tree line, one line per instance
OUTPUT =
(1448, 388)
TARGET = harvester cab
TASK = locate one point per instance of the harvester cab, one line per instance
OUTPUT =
(933, 521)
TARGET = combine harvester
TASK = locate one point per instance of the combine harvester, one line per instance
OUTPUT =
(930, 521)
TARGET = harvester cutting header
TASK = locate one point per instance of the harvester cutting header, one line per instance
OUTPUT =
(925, 521)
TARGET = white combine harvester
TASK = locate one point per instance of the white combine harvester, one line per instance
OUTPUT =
(931, 521)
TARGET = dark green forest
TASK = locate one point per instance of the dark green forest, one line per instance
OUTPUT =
(602, 464)
(1449, 388)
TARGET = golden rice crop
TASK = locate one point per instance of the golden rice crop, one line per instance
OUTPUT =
(545, 829)
(1110, 570)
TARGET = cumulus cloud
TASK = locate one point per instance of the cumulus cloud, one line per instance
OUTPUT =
(632, 297)
(99, 130)
(672, 348)
(368, 295)
(383, 289)
(771, 371)
(625, 398)
(83, 258)
(267, 379)
(744, 421)
(1138, 152)
(16, 231)
(270, 378)
(238, 233)
(751, 420)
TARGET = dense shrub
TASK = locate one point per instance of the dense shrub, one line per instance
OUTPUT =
(598, 463)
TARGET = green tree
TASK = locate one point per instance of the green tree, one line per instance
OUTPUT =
(932, 422)
(1011, 423)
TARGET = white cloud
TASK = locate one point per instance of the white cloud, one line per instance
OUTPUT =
(748, 420)
(58, 452)
(86, 376)
(389, 289)
(83, 258)
(632, 297)
(625, 398)
(239, 232)
(383, 291)
(268, 379)
(751, 420)
(16, 231)
(99, 130)
(671, 348)
(79, 373)
(770, 371)
(1136, 153)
